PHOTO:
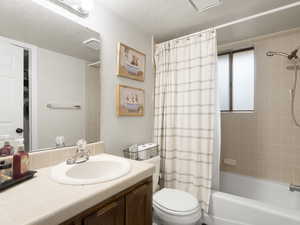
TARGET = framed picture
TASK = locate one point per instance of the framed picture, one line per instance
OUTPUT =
(130, 101)
(131, 63)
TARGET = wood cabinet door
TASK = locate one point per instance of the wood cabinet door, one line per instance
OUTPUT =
(75, 222)
(111, 214)
(139, 206)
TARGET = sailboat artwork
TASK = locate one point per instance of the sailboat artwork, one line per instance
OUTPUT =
(130, 101)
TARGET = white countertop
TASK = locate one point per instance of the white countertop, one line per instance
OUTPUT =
(42, 201)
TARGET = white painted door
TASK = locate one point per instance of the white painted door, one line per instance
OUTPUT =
(11, 88)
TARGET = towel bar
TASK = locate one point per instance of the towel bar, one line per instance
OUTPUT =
(52, 106)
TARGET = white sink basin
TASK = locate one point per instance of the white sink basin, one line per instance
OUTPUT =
(97, 169)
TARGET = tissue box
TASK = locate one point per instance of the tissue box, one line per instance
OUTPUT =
(147, 151)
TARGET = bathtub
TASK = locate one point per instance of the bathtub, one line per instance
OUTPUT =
(249, 201)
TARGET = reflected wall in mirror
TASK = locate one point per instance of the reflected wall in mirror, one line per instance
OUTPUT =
(49, 80)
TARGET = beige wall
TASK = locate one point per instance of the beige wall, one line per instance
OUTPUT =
(60, 80)
(81, 86)
(92, 104)
(266, 143)
(119, 132)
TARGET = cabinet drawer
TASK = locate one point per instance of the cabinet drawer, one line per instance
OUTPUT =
(111, 214)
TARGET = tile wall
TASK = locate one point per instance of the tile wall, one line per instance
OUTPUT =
(266, 143)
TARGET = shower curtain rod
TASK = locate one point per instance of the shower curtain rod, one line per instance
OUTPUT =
(292, 5)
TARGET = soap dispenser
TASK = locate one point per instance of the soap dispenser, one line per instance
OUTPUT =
(20, 160)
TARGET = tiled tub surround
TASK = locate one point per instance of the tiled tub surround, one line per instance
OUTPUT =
(41, 200)
(266, 143)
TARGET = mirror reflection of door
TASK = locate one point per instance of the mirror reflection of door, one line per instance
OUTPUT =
(11, 90)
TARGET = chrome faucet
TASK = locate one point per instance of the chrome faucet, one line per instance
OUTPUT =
(294, 187)
(82, 153)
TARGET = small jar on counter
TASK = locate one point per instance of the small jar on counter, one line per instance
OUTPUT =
(7, 149)
(5, 171)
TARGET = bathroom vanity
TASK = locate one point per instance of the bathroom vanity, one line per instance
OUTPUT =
(132, 206)
(126, 200)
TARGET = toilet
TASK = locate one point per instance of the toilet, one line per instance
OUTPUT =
(171, 206)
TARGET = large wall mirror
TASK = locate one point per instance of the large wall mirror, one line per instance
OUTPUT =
(49, 79)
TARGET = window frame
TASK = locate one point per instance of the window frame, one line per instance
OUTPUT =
(230, 54)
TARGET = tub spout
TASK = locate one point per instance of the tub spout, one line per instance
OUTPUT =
(294, 188)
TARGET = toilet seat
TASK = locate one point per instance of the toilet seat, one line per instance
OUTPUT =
(175, 202)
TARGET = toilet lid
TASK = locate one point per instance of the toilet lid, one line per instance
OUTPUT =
(175, 200)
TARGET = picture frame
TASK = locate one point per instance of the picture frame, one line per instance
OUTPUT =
(130, 101)
(131, 63)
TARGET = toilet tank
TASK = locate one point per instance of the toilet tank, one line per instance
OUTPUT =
(156, 162)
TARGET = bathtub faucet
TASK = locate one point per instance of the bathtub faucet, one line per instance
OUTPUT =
(294, 188)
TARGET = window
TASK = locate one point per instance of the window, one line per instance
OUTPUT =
(236, 80)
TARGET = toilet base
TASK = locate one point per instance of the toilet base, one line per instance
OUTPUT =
(158, 222)
(161, 218)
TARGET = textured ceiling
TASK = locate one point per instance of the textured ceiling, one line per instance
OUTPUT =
(167, 19)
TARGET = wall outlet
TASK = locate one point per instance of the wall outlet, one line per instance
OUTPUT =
(229, 162)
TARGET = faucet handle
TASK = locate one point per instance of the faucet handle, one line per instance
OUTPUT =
(81, 144)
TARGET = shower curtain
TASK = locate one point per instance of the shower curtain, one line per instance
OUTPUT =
(185, 106)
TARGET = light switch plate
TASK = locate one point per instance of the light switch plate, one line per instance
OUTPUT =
(230, 162)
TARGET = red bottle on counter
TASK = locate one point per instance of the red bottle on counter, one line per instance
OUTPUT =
(20, 162)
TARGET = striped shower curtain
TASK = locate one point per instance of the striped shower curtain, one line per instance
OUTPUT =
(184, 112)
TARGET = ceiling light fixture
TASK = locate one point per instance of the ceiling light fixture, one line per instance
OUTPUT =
(203, 5)
(80, 7)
